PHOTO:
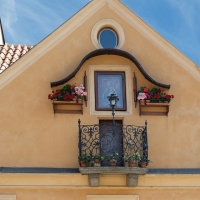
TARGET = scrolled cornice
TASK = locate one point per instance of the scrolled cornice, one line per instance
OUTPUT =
(116, 52)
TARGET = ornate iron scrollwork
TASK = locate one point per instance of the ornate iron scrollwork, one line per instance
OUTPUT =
(127, 139)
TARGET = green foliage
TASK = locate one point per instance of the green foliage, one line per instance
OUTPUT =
(155, 95)
(113, 156)
(84, 158)
(125, 158)
(135, 156)
(143, 159)
(97, 157)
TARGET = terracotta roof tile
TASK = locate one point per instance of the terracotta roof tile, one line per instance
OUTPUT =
(10, 53)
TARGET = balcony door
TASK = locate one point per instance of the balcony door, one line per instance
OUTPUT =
(111, 139)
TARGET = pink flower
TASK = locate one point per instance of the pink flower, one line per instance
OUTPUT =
(147, 95)
(141, 96)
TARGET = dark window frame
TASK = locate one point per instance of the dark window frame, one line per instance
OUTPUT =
(111, 29)
(123, 90)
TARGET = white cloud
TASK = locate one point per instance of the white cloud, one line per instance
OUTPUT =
(39, 13)
(189, 12)
(28, 22)
(9, 17)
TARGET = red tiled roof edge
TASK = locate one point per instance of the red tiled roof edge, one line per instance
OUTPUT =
(10, 53)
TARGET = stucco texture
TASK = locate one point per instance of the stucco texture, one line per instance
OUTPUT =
(73, 194)
(32, 136)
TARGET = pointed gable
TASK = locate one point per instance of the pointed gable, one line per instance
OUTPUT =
(113, 9)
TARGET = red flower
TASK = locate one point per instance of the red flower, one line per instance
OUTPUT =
(73, 86)
(162, 90)
(172, 96)
(49, 96)
(156, 96)
(146, 89)
(57, 94)
(71, 97)
(53, 91)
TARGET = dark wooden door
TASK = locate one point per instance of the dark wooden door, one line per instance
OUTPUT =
(111, 139)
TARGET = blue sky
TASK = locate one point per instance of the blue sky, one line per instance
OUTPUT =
(178, 21)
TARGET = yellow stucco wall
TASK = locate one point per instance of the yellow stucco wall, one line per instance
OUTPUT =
(32, 136)
(73, 194)
(74, 186)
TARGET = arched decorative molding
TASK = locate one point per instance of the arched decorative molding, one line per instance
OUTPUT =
(116, 52)
(109, 23)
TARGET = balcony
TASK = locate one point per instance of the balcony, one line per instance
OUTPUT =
(106, 139)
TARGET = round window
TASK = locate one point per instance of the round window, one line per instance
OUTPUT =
(108, 38)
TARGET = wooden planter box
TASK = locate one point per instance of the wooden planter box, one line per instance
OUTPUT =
(67, 107)
(160, 109)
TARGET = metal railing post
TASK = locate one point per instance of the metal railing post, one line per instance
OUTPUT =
(79, 132)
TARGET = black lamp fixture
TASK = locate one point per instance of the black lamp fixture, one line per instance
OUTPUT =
(113, 98)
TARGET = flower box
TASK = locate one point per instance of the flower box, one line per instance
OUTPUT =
(155, 95)
(153, 101)
(67, 107)
(159, 109)
(69, 99)
(158, 104)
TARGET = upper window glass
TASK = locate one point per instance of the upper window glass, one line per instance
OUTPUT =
(108, 38)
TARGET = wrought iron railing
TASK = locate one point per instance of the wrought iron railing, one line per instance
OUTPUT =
(106, 139)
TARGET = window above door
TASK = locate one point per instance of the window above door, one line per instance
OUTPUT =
(119, 73)
(106, 83)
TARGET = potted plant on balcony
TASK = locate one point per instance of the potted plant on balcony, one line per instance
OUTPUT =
(112, 158)
(144, 162)
(83, 159)
(134, 159)
(125, 161)
(97, 158)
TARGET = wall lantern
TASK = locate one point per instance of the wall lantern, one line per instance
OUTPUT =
(113, 98)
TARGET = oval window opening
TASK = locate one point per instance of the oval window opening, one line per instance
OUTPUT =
(108, 39)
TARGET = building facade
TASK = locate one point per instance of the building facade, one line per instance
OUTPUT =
(40, 145)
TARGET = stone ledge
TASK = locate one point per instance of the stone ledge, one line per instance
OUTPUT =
(113, 170)
(130, 172)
